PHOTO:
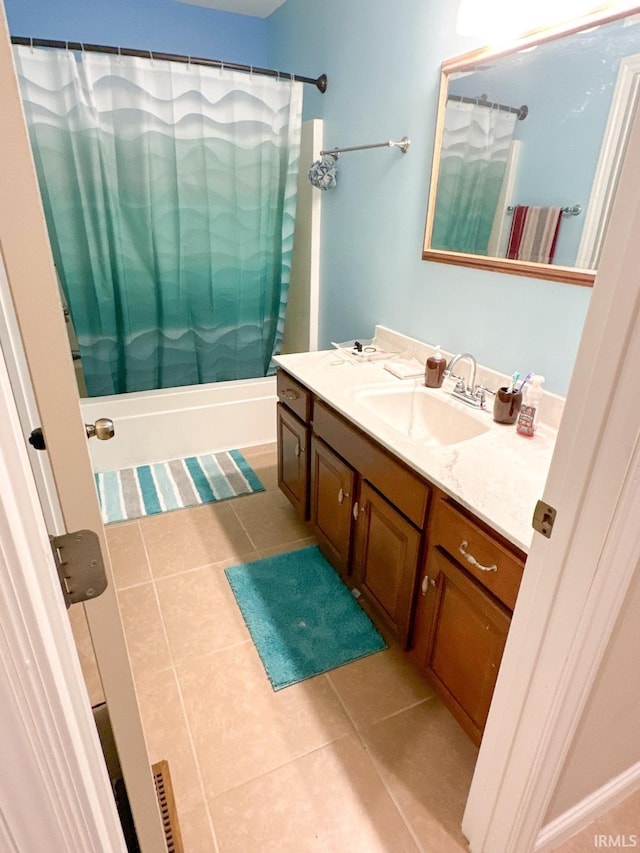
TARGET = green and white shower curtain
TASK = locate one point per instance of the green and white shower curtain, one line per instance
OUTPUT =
(169, 192)
(475, 149)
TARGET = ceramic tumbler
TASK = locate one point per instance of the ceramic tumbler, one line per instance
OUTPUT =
(506, 406)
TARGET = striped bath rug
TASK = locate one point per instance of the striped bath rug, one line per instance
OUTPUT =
(174, 484)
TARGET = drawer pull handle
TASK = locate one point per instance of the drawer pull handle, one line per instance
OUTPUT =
(472, 560)
(342, 495)
(289, 394)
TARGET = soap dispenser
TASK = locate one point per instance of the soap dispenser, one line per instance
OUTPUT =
(528, 417)
(434, 372)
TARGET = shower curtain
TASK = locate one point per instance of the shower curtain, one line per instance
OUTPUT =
(169, 192)
(475, 149)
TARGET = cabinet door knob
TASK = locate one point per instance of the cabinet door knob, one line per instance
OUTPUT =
(357, 509)
(462, 548)
(342, 495)
(289, 394)
(426, 582)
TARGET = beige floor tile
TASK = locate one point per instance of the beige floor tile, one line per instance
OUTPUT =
(329, 800)
(621, 822)
(264, 461)
(242, 728)
(167, 737)
(190, 538)
(200, 613)
(426, 762)
(143, 629)
(282, 771)
(84, 646)
(126, 552)
(269, 520)
(285, 547)
(195, 830)
(377, 686)
(259, 449)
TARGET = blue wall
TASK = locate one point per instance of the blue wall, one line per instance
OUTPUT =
(162, 25)
(383, 61)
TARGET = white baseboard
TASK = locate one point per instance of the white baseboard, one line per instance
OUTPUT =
(587, 810)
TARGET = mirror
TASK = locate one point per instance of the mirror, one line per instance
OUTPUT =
(529, 142)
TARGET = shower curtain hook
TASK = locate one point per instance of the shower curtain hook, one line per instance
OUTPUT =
(119, 55)
(221, 67)
(31, 43)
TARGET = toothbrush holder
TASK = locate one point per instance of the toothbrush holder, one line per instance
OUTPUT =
(506, 406)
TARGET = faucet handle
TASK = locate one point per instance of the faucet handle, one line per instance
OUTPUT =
(449, 374)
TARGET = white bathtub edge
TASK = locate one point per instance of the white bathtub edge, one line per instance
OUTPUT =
(173, 423)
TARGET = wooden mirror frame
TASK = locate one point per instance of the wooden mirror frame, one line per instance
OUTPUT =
(552, 272)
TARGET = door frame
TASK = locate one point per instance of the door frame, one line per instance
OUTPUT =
(575, 583)
(605, 181)
(33, 285)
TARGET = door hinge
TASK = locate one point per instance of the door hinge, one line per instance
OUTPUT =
(80, 565)
(544, 516)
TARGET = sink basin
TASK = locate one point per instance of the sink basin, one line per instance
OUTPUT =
(421, 414)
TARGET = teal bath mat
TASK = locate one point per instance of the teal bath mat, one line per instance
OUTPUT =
(175, 484)
(302, 618)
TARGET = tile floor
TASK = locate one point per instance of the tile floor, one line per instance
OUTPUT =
(620, 826)
(364, 758)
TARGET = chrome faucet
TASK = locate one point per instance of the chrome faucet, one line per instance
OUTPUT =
(471, 394)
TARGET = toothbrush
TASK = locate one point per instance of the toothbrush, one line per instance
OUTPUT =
(525, 380)
(514, 379)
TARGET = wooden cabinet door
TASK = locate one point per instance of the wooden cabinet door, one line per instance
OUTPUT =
(386, 560)
(467, 634)
(293, 460)
(332, 496)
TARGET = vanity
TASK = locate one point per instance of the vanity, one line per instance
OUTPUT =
(420, 504)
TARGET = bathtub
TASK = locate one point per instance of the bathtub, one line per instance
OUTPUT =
(151, 426)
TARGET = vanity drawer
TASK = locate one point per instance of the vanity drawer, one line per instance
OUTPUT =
(294, 395)
(456, 533)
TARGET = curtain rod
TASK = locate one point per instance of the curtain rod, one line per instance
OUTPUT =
(522, 112)
(320, 82)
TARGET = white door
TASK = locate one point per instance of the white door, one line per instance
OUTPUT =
(54, 789)
(36, 300)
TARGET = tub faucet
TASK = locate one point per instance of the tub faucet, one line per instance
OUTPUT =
(471, 394)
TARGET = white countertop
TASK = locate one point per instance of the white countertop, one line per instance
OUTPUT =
(499, 475)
